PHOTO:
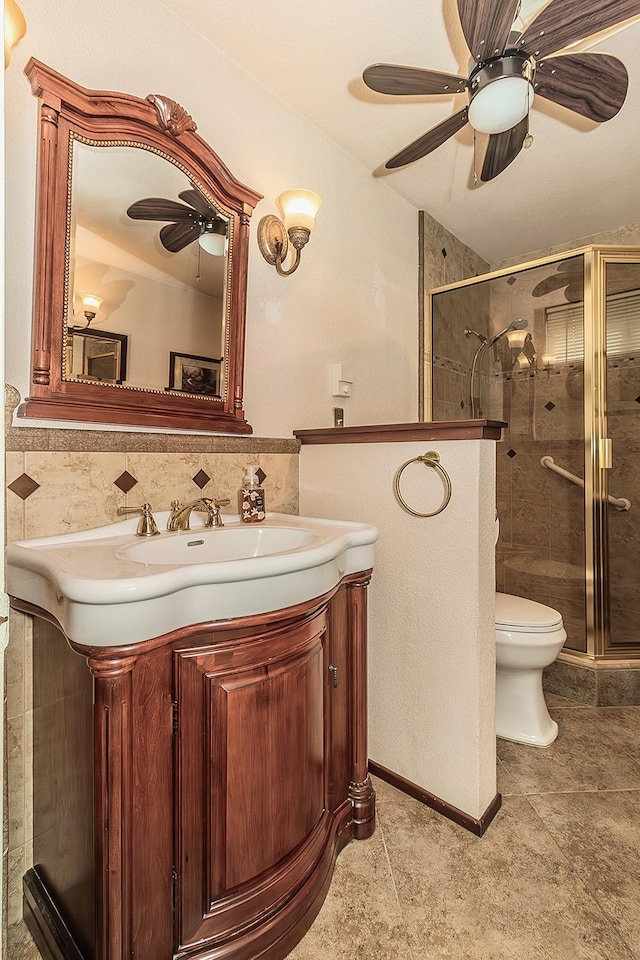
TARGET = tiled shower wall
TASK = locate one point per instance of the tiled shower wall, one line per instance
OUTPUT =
(448, 260)
(62, 481)
(540, 553)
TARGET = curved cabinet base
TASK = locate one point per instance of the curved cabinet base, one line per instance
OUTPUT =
(209, 780)
(273, 939)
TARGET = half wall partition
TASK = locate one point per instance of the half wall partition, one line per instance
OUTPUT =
(552, 346)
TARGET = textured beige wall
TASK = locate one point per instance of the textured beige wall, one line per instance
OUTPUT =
(431, 607)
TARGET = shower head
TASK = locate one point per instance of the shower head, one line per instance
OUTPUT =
(468, 332)
(518, 324)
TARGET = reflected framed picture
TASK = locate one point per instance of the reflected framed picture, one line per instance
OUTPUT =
(192, 374)
(97, 355)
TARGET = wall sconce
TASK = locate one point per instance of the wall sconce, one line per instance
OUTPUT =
(90, 306)
(15, 27)
(300, 208)
(547, 360)
(516, 339)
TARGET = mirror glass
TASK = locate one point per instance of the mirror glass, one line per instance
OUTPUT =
(160, 271)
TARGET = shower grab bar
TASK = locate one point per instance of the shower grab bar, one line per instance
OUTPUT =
(620, 503)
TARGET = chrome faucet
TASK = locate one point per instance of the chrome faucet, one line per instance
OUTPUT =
(181, 513)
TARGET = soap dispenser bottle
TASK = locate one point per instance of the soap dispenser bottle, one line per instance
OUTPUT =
(252, 498)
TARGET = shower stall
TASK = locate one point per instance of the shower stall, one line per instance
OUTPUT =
(552, 347)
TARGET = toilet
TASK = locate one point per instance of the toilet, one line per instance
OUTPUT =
(529, 637)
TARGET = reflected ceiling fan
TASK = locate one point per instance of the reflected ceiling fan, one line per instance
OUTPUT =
(569, 277)
(197, 221)
(510, 68)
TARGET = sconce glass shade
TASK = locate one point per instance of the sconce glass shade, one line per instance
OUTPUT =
(91, 303)
(15, 27)
(501, 105)
(516, 338)
(300, 208)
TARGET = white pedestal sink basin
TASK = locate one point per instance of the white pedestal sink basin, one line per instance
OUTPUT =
(107, 587)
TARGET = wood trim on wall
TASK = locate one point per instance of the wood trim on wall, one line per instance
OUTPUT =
(478, 825)
(396, 432)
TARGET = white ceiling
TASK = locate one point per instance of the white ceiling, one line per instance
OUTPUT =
(578, 177)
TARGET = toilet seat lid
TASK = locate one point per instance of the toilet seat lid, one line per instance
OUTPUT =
(519, 612)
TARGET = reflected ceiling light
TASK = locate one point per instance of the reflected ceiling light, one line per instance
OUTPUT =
(501, 94)
(15, 27)
(213, 239)
(300, 208)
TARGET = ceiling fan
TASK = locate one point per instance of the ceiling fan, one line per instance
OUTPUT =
(197, 221)
(510, 68)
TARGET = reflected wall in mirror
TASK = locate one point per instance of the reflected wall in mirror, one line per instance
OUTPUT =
(162, 297)
(138, 213)
(94, 355)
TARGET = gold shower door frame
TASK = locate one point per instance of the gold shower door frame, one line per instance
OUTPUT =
(598, 456)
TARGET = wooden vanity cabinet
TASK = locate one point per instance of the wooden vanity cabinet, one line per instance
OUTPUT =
(197, 806)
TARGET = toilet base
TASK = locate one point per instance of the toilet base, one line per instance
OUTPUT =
(521, 711)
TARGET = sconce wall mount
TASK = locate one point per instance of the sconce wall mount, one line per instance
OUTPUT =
(274, 236)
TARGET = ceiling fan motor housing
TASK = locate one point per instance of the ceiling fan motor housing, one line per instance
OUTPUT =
(501, 92)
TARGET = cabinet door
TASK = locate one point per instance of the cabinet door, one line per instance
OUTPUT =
(251, 772)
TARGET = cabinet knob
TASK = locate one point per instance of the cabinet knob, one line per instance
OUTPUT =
(334, 673)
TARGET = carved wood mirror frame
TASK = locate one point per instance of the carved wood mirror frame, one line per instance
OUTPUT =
(162, 125)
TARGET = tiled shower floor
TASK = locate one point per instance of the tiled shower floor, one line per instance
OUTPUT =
(556, 877)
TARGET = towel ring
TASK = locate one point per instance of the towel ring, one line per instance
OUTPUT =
(430, 459)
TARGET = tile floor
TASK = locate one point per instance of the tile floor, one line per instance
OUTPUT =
(556, 877)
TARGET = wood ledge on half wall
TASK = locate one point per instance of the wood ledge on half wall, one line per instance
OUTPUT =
(394, 432)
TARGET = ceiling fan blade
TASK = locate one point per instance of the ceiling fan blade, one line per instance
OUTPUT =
(429, 141)
(591, 84)
(502, 150)
(200, 203)
(555, 282)
(175, 236)
(410, 81)
(486, 25)
(563, 22)
(155, 208)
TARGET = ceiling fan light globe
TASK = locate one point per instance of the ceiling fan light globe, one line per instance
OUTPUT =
(213, 243)
(501, 105)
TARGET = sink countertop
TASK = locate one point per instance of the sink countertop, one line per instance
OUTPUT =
(106, 589)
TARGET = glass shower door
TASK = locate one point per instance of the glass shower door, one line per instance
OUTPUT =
(622, 324)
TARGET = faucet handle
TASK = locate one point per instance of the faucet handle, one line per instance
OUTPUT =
(214, 518)
(147, 526)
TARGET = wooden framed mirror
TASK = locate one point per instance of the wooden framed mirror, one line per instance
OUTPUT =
(141, 245)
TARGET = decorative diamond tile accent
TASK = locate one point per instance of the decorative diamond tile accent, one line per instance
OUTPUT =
(444, 252)
(125, 482)
(511, 281)
(512, 454)
(23, 486)
(462, 404)
(201, 479)
(637, 399)
(261, 475)
(550, 405)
